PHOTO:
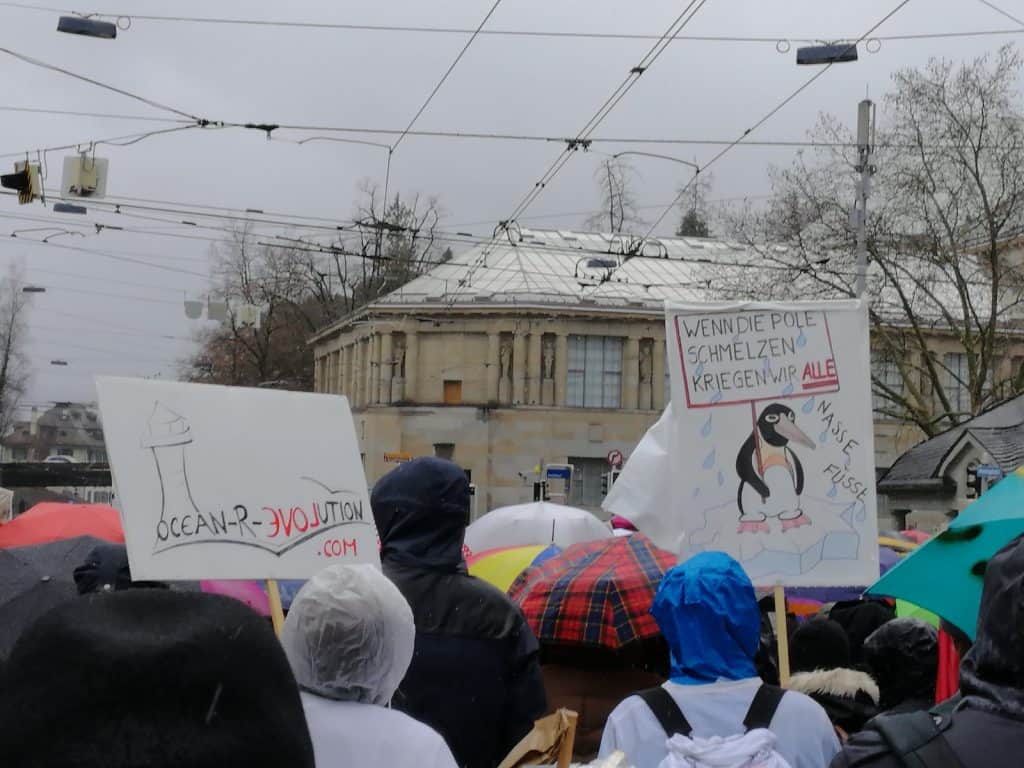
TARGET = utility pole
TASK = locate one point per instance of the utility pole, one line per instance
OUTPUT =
(865, 146)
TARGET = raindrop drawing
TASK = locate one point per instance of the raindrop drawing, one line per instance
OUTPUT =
(709, 460)
(808, 405)
(721, 479)
(832, 492)
(716, 397)
(801, 340)
(788, 389)
(823, 437)
(700, 370)
(706, 429)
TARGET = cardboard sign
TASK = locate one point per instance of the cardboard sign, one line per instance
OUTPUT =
(235, 483)
(767, 450)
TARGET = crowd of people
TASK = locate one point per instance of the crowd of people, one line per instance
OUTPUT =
(420, 664)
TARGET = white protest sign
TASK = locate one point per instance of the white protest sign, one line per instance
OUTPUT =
(235, 483)
(769, 442)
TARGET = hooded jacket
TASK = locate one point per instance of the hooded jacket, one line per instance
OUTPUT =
(475, 676)
(349, 639)
(707, 611)
(848, 696)
(903, 656)
(986, 728)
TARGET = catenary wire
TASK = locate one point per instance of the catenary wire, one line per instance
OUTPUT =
(769, 115)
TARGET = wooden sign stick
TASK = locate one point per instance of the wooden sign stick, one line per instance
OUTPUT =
(781, 634)
(276, 609)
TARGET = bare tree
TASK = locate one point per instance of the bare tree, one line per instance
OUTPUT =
(945, 237)
(391, 242)
(14, 369)
(274, 279)
(695, 213)
(619, 213)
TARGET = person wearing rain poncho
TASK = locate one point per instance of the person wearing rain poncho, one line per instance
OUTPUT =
(707, 610)
(349, 638)
(986, 729)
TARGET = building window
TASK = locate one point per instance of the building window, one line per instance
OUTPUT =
(885, 372)
(955, 380)
(445, 451)
(65, 452)
(452, 392)
(19, 454)
(586, 481)
(595, 372)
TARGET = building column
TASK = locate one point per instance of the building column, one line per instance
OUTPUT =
(658, 365)
(518, 369)
(375, 368)
(359, 381)
(317, 373)
(561, 368)
(412, 357)
(386, 367)
(493, 366)
(342, 382)
(631, 373)
(533, 369)
(351, 361)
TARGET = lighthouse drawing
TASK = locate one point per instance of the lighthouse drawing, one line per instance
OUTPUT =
(167, 434)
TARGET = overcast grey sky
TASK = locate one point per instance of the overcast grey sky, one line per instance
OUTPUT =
(523, 85)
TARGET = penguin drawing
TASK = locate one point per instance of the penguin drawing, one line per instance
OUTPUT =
(771, 475)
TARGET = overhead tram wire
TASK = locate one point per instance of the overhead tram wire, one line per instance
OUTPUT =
(127, 18)
(633, 76)
(1000, 11)
(768, 116)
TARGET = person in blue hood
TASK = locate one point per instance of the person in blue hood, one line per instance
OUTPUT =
(475, 675)
(707, 611)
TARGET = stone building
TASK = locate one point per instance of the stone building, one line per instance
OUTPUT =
(548, 350)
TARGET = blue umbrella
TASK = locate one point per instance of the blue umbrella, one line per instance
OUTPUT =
(945, 575)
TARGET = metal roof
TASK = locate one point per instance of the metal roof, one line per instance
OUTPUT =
(563, 267)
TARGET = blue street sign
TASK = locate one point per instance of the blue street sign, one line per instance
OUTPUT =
(563, 473)
(989, 472)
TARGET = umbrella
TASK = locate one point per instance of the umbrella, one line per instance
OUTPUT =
(251, 593)
(918, 537)
(51, 521)
(539, 522)
(35, 579)
(945, 575)
(597, 593)
(501, 566)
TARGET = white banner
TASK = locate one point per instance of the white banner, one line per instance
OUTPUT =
(768, 445)
(235, 483)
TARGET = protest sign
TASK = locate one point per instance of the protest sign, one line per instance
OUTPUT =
(235, 483)
(767, 450)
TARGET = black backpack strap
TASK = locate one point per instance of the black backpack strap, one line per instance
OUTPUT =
(762, 708)
(664, 707)
(916, 740)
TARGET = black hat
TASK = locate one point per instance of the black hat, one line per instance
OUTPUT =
(151, 678)
(819, 644)
(106, 570)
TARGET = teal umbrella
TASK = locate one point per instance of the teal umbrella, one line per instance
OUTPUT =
(945, 575)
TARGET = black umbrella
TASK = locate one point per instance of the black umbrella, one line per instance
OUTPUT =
(35, 579)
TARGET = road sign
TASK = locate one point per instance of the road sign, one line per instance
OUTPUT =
(563, 473)
(989, 472)
(615, 458)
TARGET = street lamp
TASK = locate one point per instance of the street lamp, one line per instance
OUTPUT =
(80, 25)
(831, 53)
(68, 208)
(59, 362)
(33, 289)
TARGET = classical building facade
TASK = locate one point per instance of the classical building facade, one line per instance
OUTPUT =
(546, 350)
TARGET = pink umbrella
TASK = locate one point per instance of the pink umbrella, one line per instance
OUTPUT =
(249, 592)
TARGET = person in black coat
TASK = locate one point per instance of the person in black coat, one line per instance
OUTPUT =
(475, 675)
(986, 728)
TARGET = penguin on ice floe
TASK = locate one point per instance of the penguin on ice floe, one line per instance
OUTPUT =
(771, 475)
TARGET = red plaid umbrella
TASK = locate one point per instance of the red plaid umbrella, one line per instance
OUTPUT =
(594, 593)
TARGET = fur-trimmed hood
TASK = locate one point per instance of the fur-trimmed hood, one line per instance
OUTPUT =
(849, 697)
(843, 683)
